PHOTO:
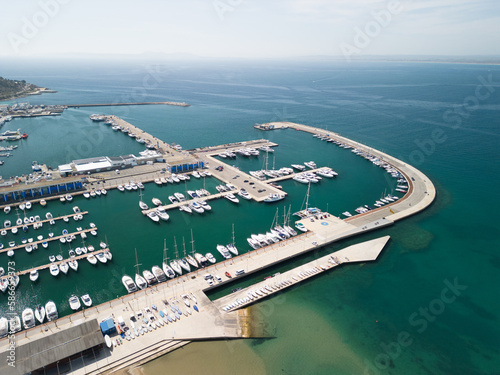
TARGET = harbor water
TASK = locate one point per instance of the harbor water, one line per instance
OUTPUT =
(348, 321)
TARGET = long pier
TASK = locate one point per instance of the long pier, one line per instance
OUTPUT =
(58, 262)
(178, 104)
(22, 246)
(45, 220)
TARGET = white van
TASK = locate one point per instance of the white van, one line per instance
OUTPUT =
(239, 272)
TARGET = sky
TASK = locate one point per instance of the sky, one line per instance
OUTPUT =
(249, 28)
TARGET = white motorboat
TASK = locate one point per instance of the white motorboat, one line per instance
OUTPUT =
(172, 199)
(185, 208)
(150, 278)
(274, 197)
(162, 214)
(28, 318)
(347, 214)
(69, 197)
(7, 224)
(92, 259)
(210, 258)
(108, 255)
(74, 303)
(86, 195)
(140, 281)
(253, 243)
(310, 164)
(129, 284)
(51, 311)
(223, 251)
(153, 216)
(156, 202)
(101, 258)
(299, 167)
(180, 197)
(40, 313)
(6, 209)
(231, 198)
(168, 270)
(19, 221)
(201, 259)
(4, 327)
(244, 194)
(300, 227)
(121, 188)
(104, 191)
(196, 207)
(4, 284)
(54, 270)
(205, 205)
(87, 301)
(143, 205)
(158, 181)
(34, 275)
(28, 205)
(159, 274)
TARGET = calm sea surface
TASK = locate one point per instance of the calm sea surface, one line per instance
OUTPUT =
(398, 315)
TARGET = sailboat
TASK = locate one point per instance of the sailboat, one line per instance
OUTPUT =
(183, 262)
(166, 268)
(139, 280)
(231, 246)
(192, 261)
(142, 205)
(174, 263)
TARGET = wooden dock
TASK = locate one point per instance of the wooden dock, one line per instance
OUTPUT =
(22, 246)
(45, 266)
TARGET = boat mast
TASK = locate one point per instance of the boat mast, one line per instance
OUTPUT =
(184, 246)
(137, 261)
(234, 242)
(165, 257)
(176, 251)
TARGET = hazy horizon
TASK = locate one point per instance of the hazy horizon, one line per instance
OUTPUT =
(242, 29)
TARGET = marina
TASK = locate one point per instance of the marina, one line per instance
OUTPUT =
(320, 229)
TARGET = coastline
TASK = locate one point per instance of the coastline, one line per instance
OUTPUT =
(37, 91)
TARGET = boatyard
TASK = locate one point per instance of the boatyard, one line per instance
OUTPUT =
(151, 321)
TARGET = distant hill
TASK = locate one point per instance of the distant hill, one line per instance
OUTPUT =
(10, 89)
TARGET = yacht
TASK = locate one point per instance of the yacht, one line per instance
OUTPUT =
(172, 199)
(143, 205)
(168, 270)
(129, 284)
(101, 258)
(73, 264)
(184, 264)
(69, 197)
(223, 251)
(6, 209)
(140, 281)
(153, 216)
(347, 214)
(34, 275)
(64, 267)
(156, 202)
(244, 194)
(162, 214)
(191, 260)
(232, 248)
(174, 264)
(92, 259)
(7, 224)
(253, 243)
(14, 324)
(159, 274)
(121, 188)
(28, 205)
(87, 301)
(274, 198)
(195, 206)
(150, 278)
(19, 221)
(158, 181)
(43, 202)
(86, 195)
(205, 205)
(54, 269)
(185, 208)
(201, 259)
(180, 197)
(231, 198)
(310, 164)
(28, 318)
(210, 258)
(299, 167)
(300, 227)
(74, 303)
(51, 311)
(40, 313)
(4, 284)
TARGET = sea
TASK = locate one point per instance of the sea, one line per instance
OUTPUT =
(429, 304)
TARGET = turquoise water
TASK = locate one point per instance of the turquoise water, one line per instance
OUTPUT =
(345, 318)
